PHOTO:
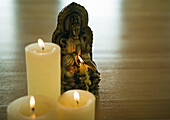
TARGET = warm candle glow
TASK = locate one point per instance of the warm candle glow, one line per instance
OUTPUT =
(32, 102)
(76, 97)
(33, 116)
(41, 43)
(81, 60)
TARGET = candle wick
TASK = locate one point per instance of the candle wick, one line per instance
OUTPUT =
(77, 102)
(33, 109)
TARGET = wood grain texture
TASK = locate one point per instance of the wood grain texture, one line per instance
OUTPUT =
(131, 49)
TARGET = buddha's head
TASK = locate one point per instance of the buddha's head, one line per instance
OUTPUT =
(75, 25)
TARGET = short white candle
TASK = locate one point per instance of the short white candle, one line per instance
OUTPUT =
(21, 109)
(43, 69)
(73, 107)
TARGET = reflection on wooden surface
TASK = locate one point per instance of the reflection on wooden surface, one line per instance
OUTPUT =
(131, 49)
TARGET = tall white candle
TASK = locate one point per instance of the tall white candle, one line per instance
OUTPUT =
(43, 69)
(73, 107)
(22, 109)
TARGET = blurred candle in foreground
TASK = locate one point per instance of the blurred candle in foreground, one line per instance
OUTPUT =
(43, 69)
(32, 108)
(76, 105)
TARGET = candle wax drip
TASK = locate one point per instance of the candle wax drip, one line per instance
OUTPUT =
(87, 81)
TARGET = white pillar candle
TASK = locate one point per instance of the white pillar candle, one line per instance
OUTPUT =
(43, 69)
(73, 107)
(22, 109)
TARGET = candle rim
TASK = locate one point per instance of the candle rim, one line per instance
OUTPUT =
(45, 53)
(56, 48)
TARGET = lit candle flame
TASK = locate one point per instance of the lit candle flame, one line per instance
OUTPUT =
(41, 43)
(81, 60)
(32, 102)
(76, 97)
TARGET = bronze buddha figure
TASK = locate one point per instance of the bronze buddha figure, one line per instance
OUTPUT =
(75, 38)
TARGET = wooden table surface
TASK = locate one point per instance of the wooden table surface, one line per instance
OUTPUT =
(131, 49)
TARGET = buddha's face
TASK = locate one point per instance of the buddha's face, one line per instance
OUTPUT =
(76, 30)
